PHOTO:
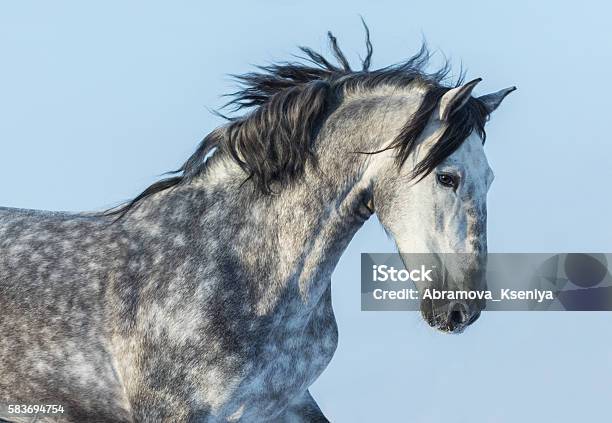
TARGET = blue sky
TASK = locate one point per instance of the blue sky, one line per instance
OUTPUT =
(98, 99)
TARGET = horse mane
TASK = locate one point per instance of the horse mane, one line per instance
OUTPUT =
(287, 102)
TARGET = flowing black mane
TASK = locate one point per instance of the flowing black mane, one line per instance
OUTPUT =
(287, 102)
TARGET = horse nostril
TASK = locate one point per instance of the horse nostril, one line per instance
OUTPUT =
(457, 316)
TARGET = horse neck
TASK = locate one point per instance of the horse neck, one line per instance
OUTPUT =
(314, 224)
(284, 244)
(302, 231)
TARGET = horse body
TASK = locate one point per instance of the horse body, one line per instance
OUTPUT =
(228, 307)
(208, 298)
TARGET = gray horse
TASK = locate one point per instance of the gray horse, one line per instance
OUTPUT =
(207, 298)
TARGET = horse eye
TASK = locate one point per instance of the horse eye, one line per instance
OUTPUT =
(447, 180)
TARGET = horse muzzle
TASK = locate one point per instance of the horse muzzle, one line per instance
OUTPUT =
(453, 316)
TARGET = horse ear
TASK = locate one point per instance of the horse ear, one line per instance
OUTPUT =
(455, 98)
(493, 100)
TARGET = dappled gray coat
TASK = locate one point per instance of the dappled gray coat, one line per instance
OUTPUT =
(207, 298)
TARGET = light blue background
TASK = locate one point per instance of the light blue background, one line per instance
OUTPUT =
(98, 99)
